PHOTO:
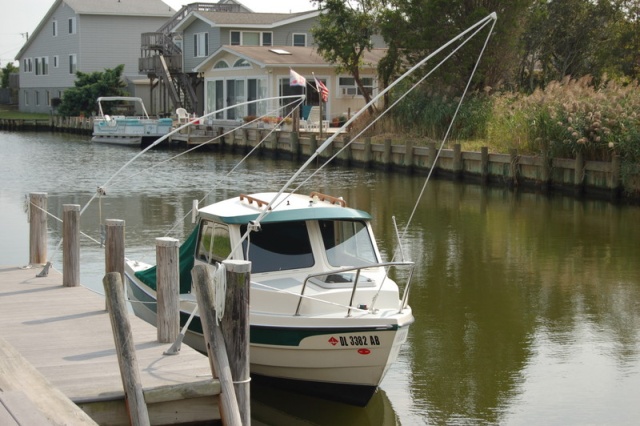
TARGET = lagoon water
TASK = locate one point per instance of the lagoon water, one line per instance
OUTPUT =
(527, 306)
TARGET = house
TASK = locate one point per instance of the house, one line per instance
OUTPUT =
(229, 53)
(87, 36)
(236, 74)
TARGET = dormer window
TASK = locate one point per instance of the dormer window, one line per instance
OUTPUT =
(300, 40)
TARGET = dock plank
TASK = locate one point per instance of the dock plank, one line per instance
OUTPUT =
(65, 333)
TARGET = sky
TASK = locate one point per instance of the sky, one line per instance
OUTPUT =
(20, 17)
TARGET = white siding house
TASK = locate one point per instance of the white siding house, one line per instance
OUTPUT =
(237, 74)
(87, 36)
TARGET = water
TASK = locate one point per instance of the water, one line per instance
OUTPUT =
(527, 307)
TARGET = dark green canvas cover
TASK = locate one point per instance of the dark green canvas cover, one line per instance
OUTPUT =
(186, 255)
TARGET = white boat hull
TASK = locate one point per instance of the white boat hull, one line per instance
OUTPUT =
(344, 361)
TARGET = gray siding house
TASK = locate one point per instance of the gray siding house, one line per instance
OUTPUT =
(87, 36)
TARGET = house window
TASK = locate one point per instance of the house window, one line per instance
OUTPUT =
(223, 93)
(200, 45)
(30, 63)
(54, 28)
(235, 38)
(48, 94)
(266, 39)
(221, 65)
(347, 86)
(25, 66)
(241, 63)
(42, 66)
(55, 61)
(300, 40)
(73, 63)
(37, 98)
(251, 38)
(72, 25)
(26, 97)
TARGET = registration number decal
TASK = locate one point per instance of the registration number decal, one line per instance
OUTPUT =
(356, 340)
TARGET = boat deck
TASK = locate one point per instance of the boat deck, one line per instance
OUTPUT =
(65, 333)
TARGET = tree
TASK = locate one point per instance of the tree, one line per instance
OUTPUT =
(6, 71)
(344, 33)
(88, 87)
(423, 26)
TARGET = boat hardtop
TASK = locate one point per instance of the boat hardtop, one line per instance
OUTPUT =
(286, 207)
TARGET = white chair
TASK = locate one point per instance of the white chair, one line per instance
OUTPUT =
(313, 120)
(183, 116)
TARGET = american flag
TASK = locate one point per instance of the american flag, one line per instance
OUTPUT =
(322, 89)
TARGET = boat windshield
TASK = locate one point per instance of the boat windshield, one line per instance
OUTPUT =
(278, 246)
(347, 243)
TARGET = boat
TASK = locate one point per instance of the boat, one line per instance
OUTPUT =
(128, 130)
(325, 317)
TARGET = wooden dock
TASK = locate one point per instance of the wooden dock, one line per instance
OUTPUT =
(65, 334)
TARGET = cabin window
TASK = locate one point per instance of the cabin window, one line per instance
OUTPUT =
(347, 243)
(278, 247)
(300, 40)
(214, 244)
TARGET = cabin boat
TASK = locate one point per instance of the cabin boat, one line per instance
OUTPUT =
(128, 130)
(325, 317)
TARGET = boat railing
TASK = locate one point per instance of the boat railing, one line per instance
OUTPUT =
(357, 270)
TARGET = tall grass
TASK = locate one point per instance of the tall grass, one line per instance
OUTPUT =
(564, 118)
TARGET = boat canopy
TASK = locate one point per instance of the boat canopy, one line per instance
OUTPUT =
(288, 208)
(186, 256)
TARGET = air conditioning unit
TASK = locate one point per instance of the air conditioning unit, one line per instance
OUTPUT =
(351, 91)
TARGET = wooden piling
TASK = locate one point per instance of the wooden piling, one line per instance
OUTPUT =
(578, 177)
(71, 245)
(235, 329)
(313, 144)
(513, 167)
(216, 348)
(408, 156)
(114, 247)
(457, 162)
(386, 155)
(168, 285)
(295, 145)
(368, 152)
(37, 228)
(125, 349)
(432, 153)
(484, 165)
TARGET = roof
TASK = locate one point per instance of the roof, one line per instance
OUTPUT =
(267, 56)
(296, 207)
(121, 7)
(245, 20)
(150, 8)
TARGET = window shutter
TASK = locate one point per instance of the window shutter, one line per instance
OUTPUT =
(195, 45)
(206, 44)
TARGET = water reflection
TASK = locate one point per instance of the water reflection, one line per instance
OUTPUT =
(527, 307)
(274, 407)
